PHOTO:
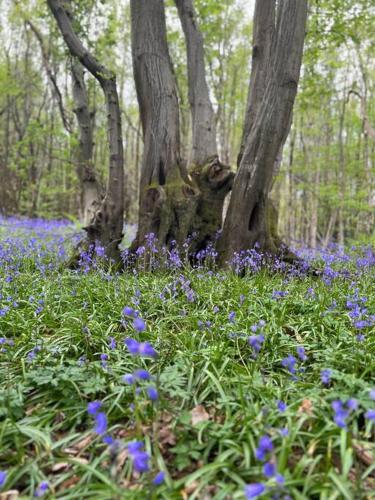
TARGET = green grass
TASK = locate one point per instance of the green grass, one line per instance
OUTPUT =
(46, 433)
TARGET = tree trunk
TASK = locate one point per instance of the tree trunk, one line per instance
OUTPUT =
(167, 199)
(86, 172)
(212, 179)
(248, 220)
(341, 175)
(107, 224)
(263, 36)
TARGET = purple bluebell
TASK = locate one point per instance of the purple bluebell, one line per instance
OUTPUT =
(3, 478)
(112, 343)
(152, 393)
(140, 458)
(289, 362)
(142, 374)
(159, 478)
(301, 353)
(231, 317)
(281, 406)
(269, 469)
(135, 446)
(139, 325)
(128, 379)
(94, 407)
(325, 376)
(280, 479)
(256, 342)
(372, 394)
(352, 404)
(254, 490)
(128, 311)
(264, 446)
(146, 349)
(42, 489)
(132, 345)
(341, 414)
(101, 423)
(370, 415)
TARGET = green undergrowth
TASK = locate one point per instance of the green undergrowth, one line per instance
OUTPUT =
(63, 322)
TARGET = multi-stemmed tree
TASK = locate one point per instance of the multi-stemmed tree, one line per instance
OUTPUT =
(180, 197)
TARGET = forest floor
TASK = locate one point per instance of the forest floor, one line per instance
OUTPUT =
(233, 387)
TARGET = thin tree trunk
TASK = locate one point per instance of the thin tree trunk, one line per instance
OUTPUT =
(212, 179)
(247, 221)
(107, 224)
(263, 36)
(167, 199)
(203, 118)
(341, 176)
(86, 172)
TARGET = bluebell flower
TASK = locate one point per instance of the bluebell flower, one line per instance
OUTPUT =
(140, 348)
(132, 345)
(42, 489)
(255, 342)
(269, 469)
(264, 446)
(142, 374)
(3, 478)
(104, 358)
(341, 414)
(352, 404)
(301, 353)
(128, 379)
(370, 415)
(159, 478)
(128, 311)
(94, 407)
(135, 446)
(112, 343)
(101, 423)
(152, 393)
(231, 317)
(139, 325)
(289, 362)
(325, 376)
(281, 406)
(284, 432)
(140, 458)
(280, 479)
(372, 394)
(146, 349)
(254, 490)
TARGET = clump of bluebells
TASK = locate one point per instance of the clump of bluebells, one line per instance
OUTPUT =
(274, 480)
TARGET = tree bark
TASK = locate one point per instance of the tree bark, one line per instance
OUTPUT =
(248, 220)
(212, 179)
(203, 117)
(107, 224)
(86, 173)
(167, 199)
(263, 36)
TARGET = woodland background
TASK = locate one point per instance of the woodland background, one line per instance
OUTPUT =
(325, 190)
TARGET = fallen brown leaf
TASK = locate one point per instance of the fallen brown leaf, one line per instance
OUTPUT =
(71, 481)
(364, 452)
(59, 467)
(189, 489)
(9, 495)
(199, 414)
(306, 407)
